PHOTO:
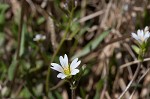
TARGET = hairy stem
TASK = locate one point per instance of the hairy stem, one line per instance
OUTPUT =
(72, 93)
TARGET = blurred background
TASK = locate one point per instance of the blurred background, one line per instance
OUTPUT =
(98, 32)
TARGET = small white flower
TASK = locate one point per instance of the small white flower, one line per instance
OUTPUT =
(64, 68)
(142, 35)
(39, 37)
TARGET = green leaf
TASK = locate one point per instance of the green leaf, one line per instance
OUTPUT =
(50, 95)
(74, 29)
(58, 95)
(40, 20)
(11, 69)
(136, 49)
(82, 92)
(25, 93)
(99, 85)
(91, 45)
(2, 38)
(2, 19)
(3, 8)
(3, 70)
(22, 40)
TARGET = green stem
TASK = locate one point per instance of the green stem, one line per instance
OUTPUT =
(57, 50)
(53, 57)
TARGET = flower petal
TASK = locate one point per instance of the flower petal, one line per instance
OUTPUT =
(139, 32)
(61, 59)
(61, 75)
(146, 35)
(66, 60)
(74, 71)
(136, 37)
(57, 67)
(75, 64)
(74, 61)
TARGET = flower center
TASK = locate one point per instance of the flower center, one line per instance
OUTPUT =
(67, 70)
(142, 38)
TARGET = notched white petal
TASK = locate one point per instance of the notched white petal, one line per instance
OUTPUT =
(74, 72)
(138, 32)
(75, 65)
(55, 64)
(146, 36)
(65, 60)
(61, 75)
(142, 33)
(74, 62)
(134, 36)
(61, 59)
(57, 67)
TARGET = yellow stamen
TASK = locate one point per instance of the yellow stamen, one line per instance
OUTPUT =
(67, 70)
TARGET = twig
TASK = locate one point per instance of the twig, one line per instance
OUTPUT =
(123, 86)
(133, 62)
(107, 95)
(58, 85)
(114, 41)
(106, 14)
(130, 83)
(51, 29)
(91, 16)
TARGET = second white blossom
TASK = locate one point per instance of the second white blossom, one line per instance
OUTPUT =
(142, 35)
(39, 37)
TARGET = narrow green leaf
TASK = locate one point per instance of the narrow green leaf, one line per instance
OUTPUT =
(91, 45)
(22, 40)
(3, 7)
(99, 85)
(58, 95)
(11, 69)
(2, 38)
(25, 93)
(2, 19)
(40, 20)
(82, 92)
(50, 95)
(136, 49)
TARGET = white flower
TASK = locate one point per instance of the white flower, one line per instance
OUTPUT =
(64, 68)
(39, 37)
(142, 35)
